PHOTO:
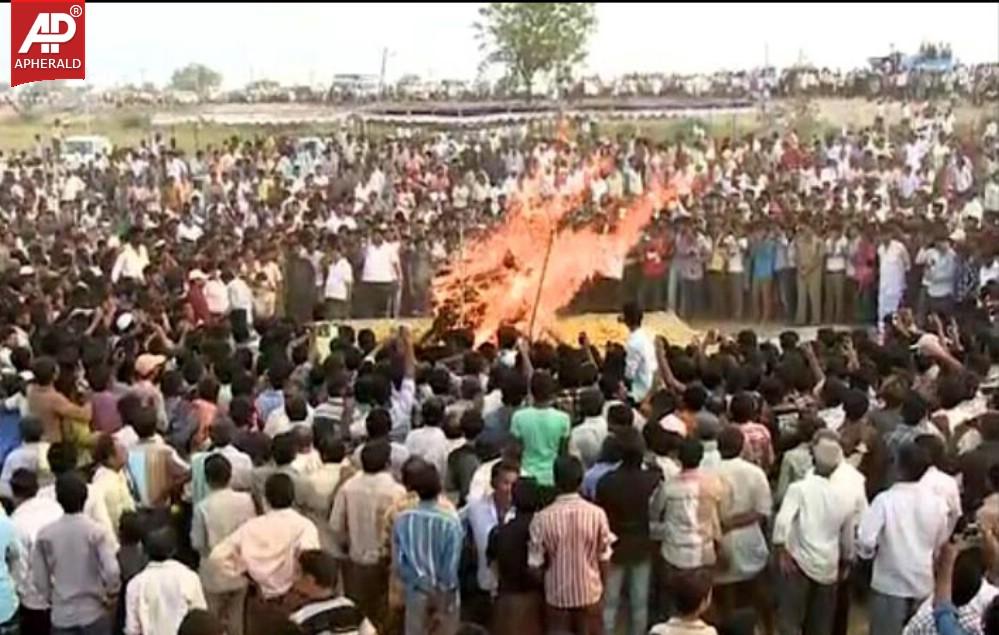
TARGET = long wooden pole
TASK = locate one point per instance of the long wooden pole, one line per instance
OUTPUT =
(541, 284)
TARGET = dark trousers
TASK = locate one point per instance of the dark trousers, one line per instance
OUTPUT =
(691, 298)
(378, 298)
(943, 306)
(717, 296)
(804, 605)
(653, 291)
(367, 586)
(100, 627)
(337, 309)
(33, 621)
(754, 593)
(736, 295)
(786, 292)
(586, 620)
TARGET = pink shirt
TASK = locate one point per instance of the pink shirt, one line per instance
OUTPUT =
(266, 548)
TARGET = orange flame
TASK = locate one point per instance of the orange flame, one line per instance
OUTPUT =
(500, 273)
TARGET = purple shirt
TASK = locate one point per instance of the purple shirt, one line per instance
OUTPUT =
(105, 416)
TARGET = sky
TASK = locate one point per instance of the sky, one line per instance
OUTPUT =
(308, 43)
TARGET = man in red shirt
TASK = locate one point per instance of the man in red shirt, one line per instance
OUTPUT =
(655, 262)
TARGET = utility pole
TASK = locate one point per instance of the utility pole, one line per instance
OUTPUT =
(381, 77)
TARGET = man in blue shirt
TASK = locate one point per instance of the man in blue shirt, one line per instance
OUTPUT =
(763, 257)
(427, 543)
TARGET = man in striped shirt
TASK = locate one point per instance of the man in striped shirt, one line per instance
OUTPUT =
(571, 539)
(427, 543)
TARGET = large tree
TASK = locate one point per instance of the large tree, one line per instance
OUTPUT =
(197, 78)
(529, 38)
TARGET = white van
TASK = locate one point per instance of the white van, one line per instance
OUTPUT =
(82, 149)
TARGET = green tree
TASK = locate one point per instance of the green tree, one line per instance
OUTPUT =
(529, 38)
(197, 78)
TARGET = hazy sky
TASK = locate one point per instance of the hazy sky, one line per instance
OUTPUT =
(309, 42)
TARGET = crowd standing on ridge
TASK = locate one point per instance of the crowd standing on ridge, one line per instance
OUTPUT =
(179, 456)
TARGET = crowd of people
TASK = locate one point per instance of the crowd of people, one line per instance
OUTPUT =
(889, 79)
(178, 456)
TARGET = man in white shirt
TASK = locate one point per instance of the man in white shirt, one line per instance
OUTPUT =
(381, 270)
(893, 259)
(339, 284)
(216, 295)
(745, 509)
(158, 598)
(240, 294)
(31, 514)
(132, 260)
(217, 516)
(813, 540)
(586, 439)
(429, 441)
(937, 481)
(640, 354)
(901, 530)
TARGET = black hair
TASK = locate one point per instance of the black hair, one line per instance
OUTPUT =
(691, 453)
(472, 424)
(143, 421)
(241, 411)
(513, 389)
(44, 369)
(426, 482)
(934, 447)
(331, 449)
(855, 405)
(632, 314)
(62, 458)
(632, 446)
(692, 588)
(104, 448)
(378, 423)
(218, 471)
(131, 529)
(526, 496)
(208, 389)
(694, 397)
(568, 474)
(432, 412)
(730, 442)
(912, 462)
(279, 490)
(743, 407)
(160, 544)
(914, 408)
(31, 429)
(591, 402)
(620, 416)
(320, 566)
(284, 448)
(23, 484)
(543, 386)
(200, 622)
(296, 408)
(71, 492)
(969, 569)
(375, 456)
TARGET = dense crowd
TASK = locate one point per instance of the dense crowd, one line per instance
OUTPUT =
(174, 441)
(888, 80)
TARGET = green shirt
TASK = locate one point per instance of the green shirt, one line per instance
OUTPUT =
(542, 431)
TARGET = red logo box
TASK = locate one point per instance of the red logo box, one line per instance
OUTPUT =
(47, 41)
